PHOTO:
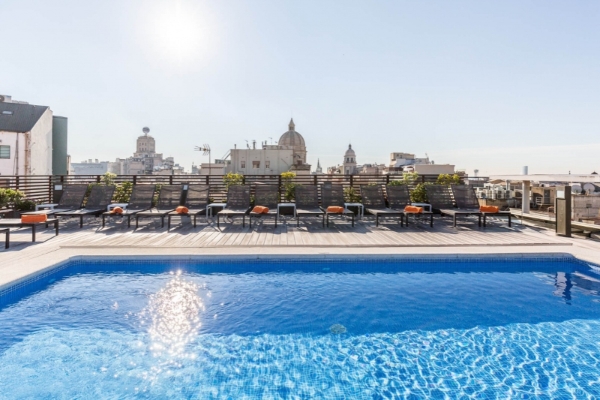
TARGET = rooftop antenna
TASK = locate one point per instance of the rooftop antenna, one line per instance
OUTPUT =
(247, 145)
(271, 139)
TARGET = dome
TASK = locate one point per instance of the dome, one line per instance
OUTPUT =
(349, 152)
(291, 137)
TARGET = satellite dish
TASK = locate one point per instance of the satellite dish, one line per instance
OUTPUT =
(575, 188)
(2, 98)
(146, 130)
(589, 188)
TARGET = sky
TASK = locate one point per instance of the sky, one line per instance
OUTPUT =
(492, 86)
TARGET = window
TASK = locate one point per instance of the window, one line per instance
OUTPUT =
(267, 164)
(4, 151)
(7, 113)
(255, 164)
(243, 165)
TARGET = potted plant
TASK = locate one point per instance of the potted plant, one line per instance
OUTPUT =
(23, 205)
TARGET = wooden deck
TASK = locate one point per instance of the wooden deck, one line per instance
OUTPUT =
(310, 233)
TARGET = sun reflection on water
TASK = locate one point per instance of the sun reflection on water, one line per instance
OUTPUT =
(173, 314)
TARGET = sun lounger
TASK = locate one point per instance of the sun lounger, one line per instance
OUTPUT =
(169, 198)
(398, 198)
(465, 198)
(265, 196)
(17, 223)
(238, 203)
(441, 199)
(100, 197)
(196, 202)
(307, 203)
(373, 201)
(140, 200)
(333, 196)
(71, 199)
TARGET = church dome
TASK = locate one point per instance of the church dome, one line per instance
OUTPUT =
(349, 152)
(291, 137)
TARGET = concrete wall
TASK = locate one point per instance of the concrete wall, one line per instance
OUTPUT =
(280, 160)
(41, 146)
(585, 207)
(88, 168)
(8, 166)
(434, 169)
(34, 149)
(59, 145)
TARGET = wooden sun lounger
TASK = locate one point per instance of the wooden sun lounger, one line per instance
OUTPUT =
(238, 203)
(196, 201)
(16, 223)
(266, 196)
(307, 203)
(333, 195)
(168, 200)
(374, 203)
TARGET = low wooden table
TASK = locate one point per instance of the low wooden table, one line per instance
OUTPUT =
(16, 223)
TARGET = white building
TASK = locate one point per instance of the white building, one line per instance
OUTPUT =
(349, 165)
(289, 154)
(93, 167)
(145, 161)
(25, 138)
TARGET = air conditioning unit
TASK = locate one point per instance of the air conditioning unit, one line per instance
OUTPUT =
(5, 98)
(500, 194)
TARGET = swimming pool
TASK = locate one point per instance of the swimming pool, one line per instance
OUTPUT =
(298, 327)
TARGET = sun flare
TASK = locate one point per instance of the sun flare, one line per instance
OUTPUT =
(177, 32)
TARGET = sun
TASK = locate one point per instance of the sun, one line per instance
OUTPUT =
(177, 31)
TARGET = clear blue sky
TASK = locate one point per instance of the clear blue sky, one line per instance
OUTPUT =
(487, 85)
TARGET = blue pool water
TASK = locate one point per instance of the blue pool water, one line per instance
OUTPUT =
(311, 328)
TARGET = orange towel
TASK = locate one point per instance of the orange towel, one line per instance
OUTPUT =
(335, 209)
(34, 218)
(117, 210)
(182, 210)
(413, 209)
(488, 209)
(260, 210)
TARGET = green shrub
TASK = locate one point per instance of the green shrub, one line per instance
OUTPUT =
(8, 197)
(24, 205)
(447, 179)
(419, 194)
(108, 178)
(123, 192)
(351, 195)
(408, 178)
(288, 186)
(232, 179)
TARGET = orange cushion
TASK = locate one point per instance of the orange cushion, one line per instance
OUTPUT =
(413, 209)
(182, 210)
(34, 218)
(117, 210)
(488, 209)
(260, 210)
(335, 209)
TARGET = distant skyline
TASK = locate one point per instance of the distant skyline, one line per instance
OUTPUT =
(491, 86)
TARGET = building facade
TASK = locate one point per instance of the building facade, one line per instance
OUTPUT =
(25, 138)
(289, 154)
(349, 165)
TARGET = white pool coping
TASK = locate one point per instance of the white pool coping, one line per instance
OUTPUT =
(15, 275)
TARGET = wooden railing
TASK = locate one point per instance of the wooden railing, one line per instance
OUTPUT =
(41, 188)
